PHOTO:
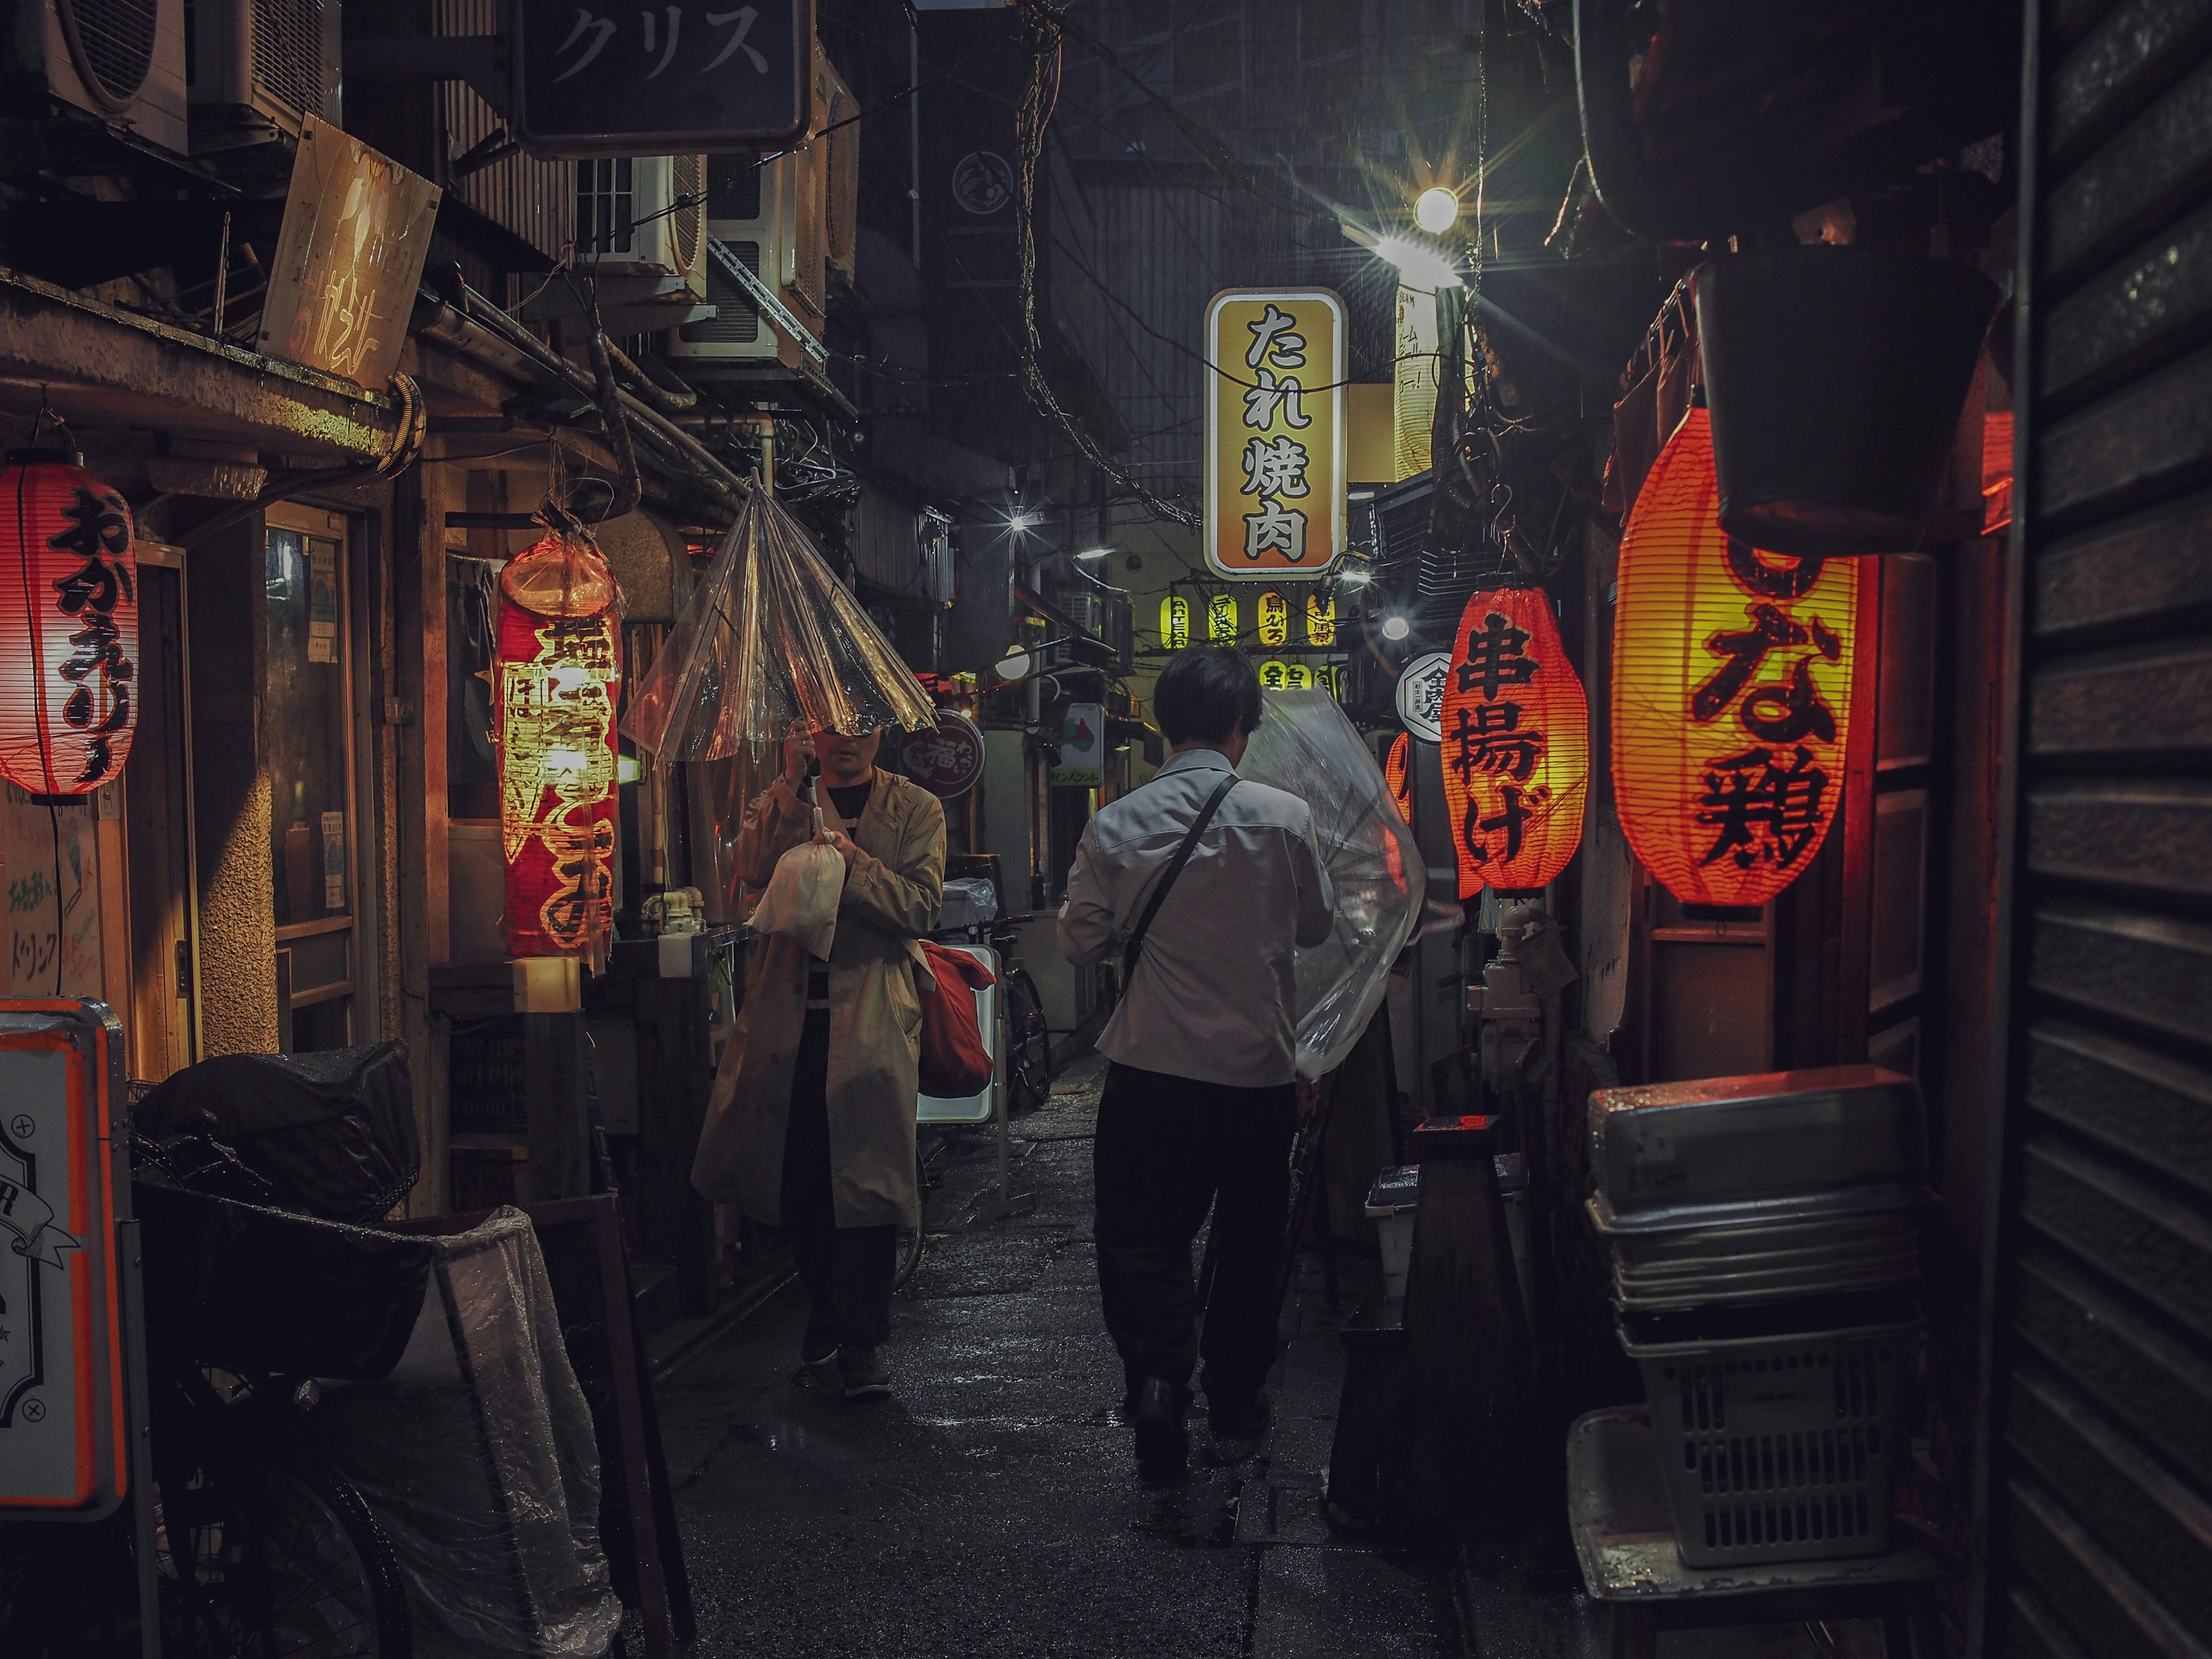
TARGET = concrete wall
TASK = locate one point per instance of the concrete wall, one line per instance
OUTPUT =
(229, 634)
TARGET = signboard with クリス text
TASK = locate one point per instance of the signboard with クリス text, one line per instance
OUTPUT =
(1274, 433)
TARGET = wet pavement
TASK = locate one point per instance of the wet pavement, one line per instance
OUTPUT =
(990, 1506)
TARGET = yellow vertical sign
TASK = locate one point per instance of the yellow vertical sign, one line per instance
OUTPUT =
(1274, 676)
(1274, 432)
(1175, 621)
(1274, 619)
(1321, 620)
(1221, 618)
(1298, 678)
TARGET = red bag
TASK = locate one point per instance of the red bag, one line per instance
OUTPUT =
(956, 1061)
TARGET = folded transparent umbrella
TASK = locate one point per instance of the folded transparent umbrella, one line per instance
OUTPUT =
(1306, 746)
(770, 637)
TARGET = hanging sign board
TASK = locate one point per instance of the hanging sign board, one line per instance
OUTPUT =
(683, 79)
(1421, 695)
(948, 759)
(350, 255)
(1082, 746)
(62, 1446)
(1274, 432)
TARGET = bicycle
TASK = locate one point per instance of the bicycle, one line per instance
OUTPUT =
(1029, 1040)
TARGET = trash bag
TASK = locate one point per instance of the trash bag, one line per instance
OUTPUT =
(1306, 746)
(258, 1290)
(801, 898)
(477, 1457)
(768, 638)
(331, 1132)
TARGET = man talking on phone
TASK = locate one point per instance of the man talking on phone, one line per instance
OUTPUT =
(1209, 883)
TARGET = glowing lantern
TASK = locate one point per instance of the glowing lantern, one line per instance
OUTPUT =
(69, 626)
(1274, 677)
(1398, 772)
(1298, 678)
(1731, 691)
(1321, 620)
(1175, 621)
(1221, 618)
(1516, 744)
(1275, 620)
(557, 677)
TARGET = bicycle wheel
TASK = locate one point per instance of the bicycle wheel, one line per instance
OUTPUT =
(259, 1560)
(1029, 1044)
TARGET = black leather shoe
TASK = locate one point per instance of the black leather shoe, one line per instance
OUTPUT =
(1240, 1420)
(1161, 1441)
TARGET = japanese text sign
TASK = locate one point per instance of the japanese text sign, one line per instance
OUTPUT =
(1274, 432)
(708, 76)
(356, 234)
(1731, 691)
(1516, 744)
(1421, 686)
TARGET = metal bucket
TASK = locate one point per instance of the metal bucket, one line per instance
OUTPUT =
(1836, 377)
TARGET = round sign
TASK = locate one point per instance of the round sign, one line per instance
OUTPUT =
(947, 761)
(983, 183)
(1421, 695)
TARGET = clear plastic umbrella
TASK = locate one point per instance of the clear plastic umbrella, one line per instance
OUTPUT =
(770, 637)
(1306, 746)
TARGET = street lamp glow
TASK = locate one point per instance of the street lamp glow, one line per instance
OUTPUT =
(1437, 209)
(1355, 579)
(1096, 553)
(1420, 267)
(1395, 628)
(1023, 521)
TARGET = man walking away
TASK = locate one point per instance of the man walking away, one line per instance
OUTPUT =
(1209, 883)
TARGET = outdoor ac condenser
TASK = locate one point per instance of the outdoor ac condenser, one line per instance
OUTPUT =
(644, 216)
(834, 107)
(275, 59)
(753, 208)
(118, 60)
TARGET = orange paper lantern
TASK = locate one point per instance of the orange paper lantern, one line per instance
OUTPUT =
(69, 626)
(1516, 744)
(1731, 691)
(556, 680)
(1398, 772)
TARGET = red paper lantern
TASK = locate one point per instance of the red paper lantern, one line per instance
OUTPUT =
(1516, 744)
(558, 678)
(69, 626)
(1397, 772)
(1731, 691)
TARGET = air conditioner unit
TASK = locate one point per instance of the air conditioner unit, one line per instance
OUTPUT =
(753, 208)
(834, 107)
(122, 61)
(644, 216)
(277, 58)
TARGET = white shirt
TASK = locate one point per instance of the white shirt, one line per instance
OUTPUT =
(1214, 996)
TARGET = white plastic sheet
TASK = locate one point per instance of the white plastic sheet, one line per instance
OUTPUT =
(1305, 746)
(770, 637)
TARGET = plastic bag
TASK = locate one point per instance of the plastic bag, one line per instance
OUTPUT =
(478, 1458)
(1306, 746)
(770, 637)
(801, 898)
(330, 1133)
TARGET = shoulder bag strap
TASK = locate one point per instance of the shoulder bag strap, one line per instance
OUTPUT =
(1133, 948)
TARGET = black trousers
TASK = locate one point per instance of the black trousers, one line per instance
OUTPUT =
(847, 1271)
(1168, 1147)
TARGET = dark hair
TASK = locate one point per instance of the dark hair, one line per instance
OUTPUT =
(1210, 692)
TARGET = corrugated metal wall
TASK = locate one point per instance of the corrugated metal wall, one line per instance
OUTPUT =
(534, 199)
(2101, 1502)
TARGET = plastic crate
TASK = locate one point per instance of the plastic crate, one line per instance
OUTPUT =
(1779, 1447)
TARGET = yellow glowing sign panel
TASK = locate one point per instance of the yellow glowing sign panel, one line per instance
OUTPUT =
(1321, 620)
(1274, 619)
(1274, 432)
(1175, 621)
(1274, 676)
(1298, 678)
(1221, 618)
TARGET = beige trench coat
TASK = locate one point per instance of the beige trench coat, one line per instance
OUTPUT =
(892, 893)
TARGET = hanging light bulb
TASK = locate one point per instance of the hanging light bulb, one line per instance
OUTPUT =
(1437, 209)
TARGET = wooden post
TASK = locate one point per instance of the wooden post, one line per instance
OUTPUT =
(553, 1086)
(416, 710)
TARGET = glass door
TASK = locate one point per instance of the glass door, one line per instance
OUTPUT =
(313, 823)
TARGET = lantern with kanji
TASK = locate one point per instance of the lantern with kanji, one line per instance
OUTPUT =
(1321, 620)
(1175, 621)
(1731, 691)
(1516, 744)
(1274, 676)
(69, 626)
(1221, 618)
(557, 679)
(1275, 620)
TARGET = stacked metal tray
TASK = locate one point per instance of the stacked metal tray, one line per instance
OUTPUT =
(1730, 1192)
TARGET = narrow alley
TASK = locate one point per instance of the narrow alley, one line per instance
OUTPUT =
(990, 1506)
